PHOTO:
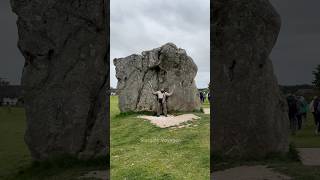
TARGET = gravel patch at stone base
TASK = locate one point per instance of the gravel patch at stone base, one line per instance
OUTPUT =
(310, 156)
(170, 120)
(249, 173)
(101, 175)
(206, 110)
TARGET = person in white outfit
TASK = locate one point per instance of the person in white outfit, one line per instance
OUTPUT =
(311, 108)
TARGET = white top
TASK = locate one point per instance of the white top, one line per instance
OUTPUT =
(311, 106)
(159, 94)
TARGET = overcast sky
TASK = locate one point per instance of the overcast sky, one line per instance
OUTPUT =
(11, 60)
(297, 51)
(138, 25)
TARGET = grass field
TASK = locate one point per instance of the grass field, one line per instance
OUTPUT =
(288, 164)
(15, 160)
(137, 152)
(306, 137)
(13, 152)
(140, 150)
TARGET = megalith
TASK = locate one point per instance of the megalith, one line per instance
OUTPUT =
(64, 78)
(250, 119)
(167, 67)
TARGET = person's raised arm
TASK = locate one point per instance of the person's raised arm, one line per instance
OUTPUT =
(153, 92)
(170, 93)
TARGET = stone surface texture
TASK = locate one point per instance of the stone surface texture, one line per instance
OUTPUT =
(166, 67)
(250, 118)
(64, 77)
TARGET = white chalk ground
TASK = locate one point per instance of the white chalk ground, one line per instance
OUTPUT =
(310, 156)
(170, 120)
(206, 110)
(95, 175)
(249, 173)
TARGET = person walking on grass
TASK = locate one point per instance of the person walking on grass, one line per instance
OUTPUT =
(162, 96)
(202, 97)
(311, 109)
(302, 110)
(316, 106)
(293, 111)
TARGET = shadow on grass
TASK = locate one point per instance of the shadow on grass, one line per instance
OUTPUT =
(221, 162)
(62, 167)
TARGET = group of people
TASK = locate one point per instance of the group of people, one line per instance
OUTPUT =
(298, 108)
(203, 96)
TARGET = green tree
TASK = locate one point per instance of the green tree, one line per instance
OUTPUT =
(316, 80)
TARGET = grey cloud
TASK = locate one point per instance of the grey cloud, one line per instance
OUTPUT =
(296, 53)
(11, 61)
(142, 24)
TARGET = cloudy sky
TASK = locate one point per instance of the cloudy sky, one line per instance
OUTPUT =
(297, 51)
(138, 25)
(11, 60)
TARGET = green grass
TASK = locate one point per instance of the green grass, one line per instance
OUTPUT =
(13, 152)
(288, 164)
(206, 104)
(15, 160)
(132, 158)
(306, 137)
(138, 150)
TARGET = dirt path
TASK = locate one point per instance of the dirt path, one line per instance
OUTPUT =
(249, 173)
(206, 110)
(170, 120)
(102, 175)
(310, 156)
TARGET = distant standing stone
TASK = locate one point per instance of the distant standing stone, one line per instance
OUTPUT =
(163, 67)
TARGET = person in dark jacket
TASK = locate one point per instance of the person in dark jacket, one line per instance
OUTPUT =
(293, 112)
(201, 97)
(316, 106)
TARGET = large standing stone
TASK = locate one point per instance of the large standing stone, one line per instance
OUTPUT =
(163, 67)
(250, 114)
(64, 77)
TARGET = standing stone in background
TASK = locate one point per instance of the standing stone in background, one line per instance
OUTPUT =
(64, 77)
(250, 114)
(163, 67)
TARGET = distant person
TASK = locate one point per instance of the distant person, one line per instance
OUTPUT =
(302, 110)
(201, 97)
(205, 96)
(304, 107)
(8, 107)
(311, 109)
(293, 111)
(316, 106)
(162, 96)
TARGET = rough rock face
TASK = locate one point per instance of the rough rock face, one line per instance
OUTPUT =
(64, 77)
(250, 114)
(165, 67)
